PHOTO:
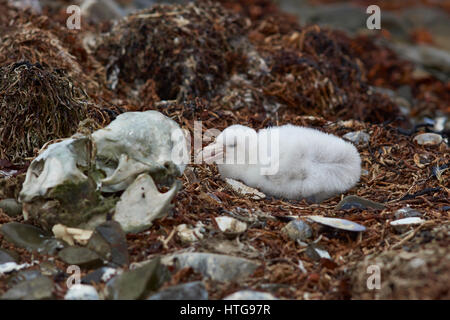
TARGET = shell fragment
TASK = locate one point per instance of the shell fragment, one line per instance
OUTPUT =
(337, 223)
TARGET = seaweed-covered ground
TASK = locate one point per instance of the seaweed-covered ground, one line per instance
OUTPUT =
(246, 62)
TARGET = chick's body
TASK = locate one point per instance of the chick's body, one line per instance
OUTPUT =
(309, 163)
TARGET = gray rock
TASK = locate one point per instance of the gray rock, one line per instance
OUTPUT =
(80, 256)
(109, 242)
(250, 295)
(357, 137)
(186, 291)
(99, 275)
(22, 276)
(215, 266)
(351, 202)
(31, 238)
(6, 256)
(297, 230)
(81, 292)
(316, 253)
(138, 283)
(39, 288)
(11, 207)
(424, 55)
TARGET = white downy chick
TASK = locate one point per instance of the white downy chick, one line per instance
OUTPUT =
(288, 161)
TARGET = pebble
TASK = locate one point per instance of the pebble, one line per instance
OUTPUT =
(215, 266)
(109, 242)
(316, 253)
(99, 275)
(39, 288)
(138, 283)
(357, 137)
(351, 202)
(428, 139)
(81, 292)
(25, 275)
(80, 256)
(186, 291)
(297, 230)
(31, 238)
(11, 207)
(6, 256)
(407, 212)
(230, 225)
(250, 295)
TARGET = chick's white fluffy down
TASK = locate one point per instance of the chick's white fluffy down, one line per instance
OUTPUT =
(311, 164)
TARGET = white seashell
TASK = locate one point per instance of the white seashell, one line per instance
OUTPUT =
(337, 223)
(407, 221)
(402, 225)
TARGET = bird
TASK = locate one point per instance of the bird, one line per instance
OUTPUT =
(288, 161)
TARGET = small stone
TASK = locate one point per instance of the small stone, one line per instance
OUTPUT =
(11, 207)
(49, 269)
(138, 283)
(80, 256)
(297, 230)
(81, 292)
(231, 225)
(316, 253)
(109, 242)
(357, 137)
(39, 288)
(31, 238)
(99, 275)
(417, 263)
(186, 291)
(407, 212)
(428, 139)
(337, 223)
(351, 202)
(402, 225)
(6, 256)
(250, 295)
(215, 266)
(22, 276)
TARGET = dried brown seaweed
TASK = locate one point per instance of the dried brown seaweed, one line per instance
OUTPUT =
(36, 105)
